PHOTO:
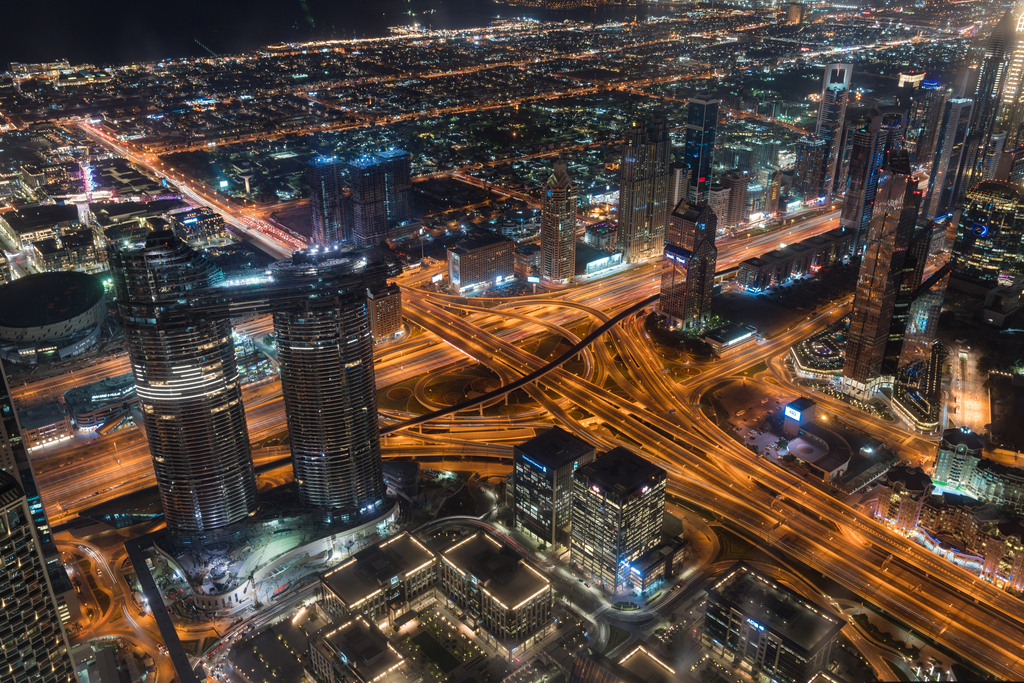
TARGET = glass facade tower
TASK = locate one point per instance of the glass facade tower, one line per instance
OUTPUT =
(643, 190)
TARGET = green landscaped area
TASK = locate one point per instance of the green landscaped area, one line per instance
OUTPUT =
(436, 652)
(617, 637)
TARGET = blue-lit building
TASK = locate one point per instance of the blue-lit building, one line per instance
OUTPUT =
(381, 195)
(766, 629)
(988, 238)
(543, 468)
(865, 162)
(699, 150)
(324, 175)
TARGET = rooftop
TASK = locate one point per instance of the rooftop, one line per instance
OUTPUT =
(478, 240)
(912, 478)
(621, 472)
(500, 570)
(776, 608)
(554, 448)
(46, 298)
(107, 390)
(373, 568)
(962, 436)
(31, 218)
(41, 415)
(638, 660)
(360, 648)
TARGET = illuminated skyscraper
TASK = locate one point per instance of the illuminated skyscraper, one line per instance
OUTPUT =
(644, 190)
(835, 95)
(187, 381)
(368, 182)
(397, 165)
(35, 648)
(325, 347)
(558, 226)
(865, 163)
(699, 150)
(949, 150)
(1012, 105)
(323, 174)
(688, 272)
(808, 176)
(988, 237)
(889, 232)
(736, 212)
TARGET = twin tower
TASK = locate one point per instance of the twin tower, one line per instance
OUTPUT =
(176, 309)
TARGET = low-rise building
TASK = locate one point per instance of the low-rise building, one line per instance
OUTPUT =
(479, 262)
(730, 337)
(352, 651)
(498, 593)
(902, 492)
(198, 226)
(380, 581)
(92, 405)
(658, 564)
(38, 222)
(767, 629)
(45, 424)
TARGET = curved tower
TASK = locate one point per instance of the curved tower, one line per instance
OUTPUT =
(187, 381)
(326, 352)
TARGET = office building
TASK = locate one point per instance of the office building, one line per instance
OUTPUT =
(699, 149)
(923, 123)
(950, 144)
(397, 167)
(480, 261)
(878, 283)
(324, 177)
(644, 190)
(35, 647)
(688, 271)
(543, 468)
(618, 507)
(187, 381)
(353, 651)
(325, 348)
(987, 248)
(992, 75)
(368, 201)
(637, 665)
(380, 582)
(795, 13)
(558, 226)
(736, 182)
(809, 173)
(865, 163)
(498, 592)
(835, 95)
(765, 628)
(679, 184)
(385, 311)
(202, 226)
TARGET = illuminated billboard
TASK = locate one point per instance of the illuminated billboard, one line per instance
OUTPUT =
(792, 413)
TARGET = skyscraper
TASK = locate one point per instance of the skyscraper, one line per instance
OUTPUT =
(835, 94)
(688, 272)
(865, 162)
(949, 150)
(369, 201)
(35, 648)
(325, 348)
(988, 237)
(811, 158)
(187, 381)
(558, 226)
(643, 190)
(737, 182)
(889, 233)
(699, 149)
(397, 165)
(323, 174)
(618, 506)
(1012, 104)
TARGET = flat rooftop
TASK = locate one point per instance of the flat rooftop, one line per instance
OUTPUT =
(361, 648)
(776, 608)
(41, 415)
(622, 472)
(554, 448)
(638, 660)
(499, 569)
(373, 568)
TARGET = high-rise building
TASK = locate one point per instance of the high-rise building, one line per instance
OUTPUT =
(688, 271)
(835, 95)
(926, 109)
(618, 507)
(865, 162)
(699, 149)
(35, 646)
(368, 184)
(878, 284)
(187, 381)
(679, 184)
(397, 165)
(988, 237)
(558, 226)
(949, 150)
(993, 155)
(718, 200)
(795, 13)
(644, 190)
(736, 211)
(385, 309)
(481, 261)
(811, 158)
(325, 348)
(323, 175)
(543, 468)
(1010, 106)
